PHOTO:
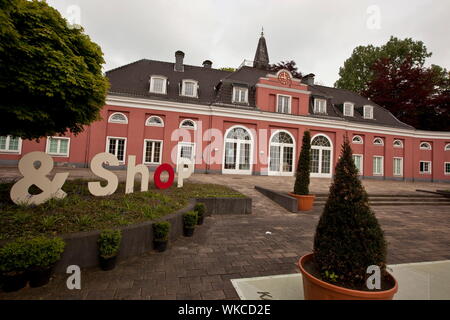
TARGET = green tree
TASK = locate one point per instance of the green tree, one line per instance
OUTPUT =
(51, 80)
(301, 186)
(228, 69)
(357, 70)
(348, 237)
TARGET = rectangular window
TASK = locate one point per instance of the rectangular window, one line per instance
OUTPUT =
(425, 167)
(320, 106)
(398, 166)
(447, 167)
(58, 146)
(158, 85)
(368, 112)
(284, 104)
(240, 95)
(10, 144)
(377, 165)
(116, 146)
(348, 109)
(358, 159)
(152, 151)
(189, 88)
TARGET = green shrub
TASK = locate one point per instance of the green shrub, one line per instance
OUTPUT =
(109, 243)
(23, 254)
(161, 230)
(200, 208)
(190, 219)
(348, 237)
(301, 186)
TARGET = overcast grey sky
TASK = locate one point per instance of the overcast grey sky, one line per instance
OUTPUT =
(319, 35)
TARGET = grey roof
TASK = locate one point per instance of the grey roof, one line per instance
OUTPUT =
(215, 88)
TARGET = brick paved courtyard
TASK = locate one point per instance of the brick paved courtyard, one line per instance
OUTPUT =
(228, 247)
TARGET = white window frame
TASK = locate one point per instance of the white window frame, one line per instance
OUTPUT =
(352, 107)
(401, 167)
(445, 168)
(361, 172)
(153, 151)
(7, 144)
(357, 136)
(397, 140)
(368, 114)
(321, 148)
(429, 167)
(317, 104)
(152, 84)
(378, 144)
(282, 145)
(239, 88)
(447, 147)
(381, 166)
(124, 147)
(188, 127)
(289, 103)
(183, 88)
(428, 146)
(238, 156)
(148, 124)
(58, 153)
(110, 119)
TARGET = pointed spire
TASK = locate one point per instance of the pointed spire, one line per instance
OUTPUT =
(261, 60)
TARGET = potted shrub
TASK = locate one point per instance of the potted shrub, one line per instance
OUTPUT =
(44, 253)
(161, 235)
(14, 261)
(200, 208)
(108, 247)
(305, 201)
(347, 241)
(189, 223)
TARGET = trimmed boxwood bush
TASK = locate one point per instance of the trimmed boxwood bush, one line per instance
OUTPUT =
(348, 237)
(109, 243)
(301, 186)
(200, 208)
(190, 219)
(35, 253)
(161, 230)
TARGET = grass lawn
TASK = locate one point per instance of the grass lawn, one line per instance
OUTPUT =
(80, 211)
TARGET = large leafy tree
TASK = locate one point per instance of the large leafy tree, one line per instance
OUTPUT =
(51, 80)
(357, 70)
(289, 65)
(416, 95)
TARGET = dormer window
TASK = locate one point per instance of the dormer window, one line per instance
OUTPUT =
(158, 84)
(320, 106)
(348, 109)
(368, 112)
(284, 104)
(118, 117)
(189, 88)
(240, 94)
(425, 146)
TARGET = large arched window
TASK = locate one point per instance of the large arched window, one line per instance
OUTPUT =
(118, 117)
(281, 156)
(238, 151)
(154, 121)
(321, 156)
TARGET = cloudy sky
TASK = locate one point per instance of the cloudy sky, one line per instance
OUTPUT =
(319, 35)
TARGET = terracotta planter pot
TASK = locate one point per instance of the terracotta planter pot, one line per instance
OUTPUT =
(304, 203)
(316, 289)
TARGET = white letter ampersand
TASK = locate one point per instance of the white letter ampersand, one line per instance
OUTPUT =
(38, 177)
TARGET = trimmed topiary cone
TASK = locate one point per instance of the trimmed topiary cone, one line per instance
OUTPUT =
(348, 237)
(301, 186)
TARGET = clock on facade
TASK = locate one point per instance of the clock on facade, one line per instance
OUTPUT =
(284, 77)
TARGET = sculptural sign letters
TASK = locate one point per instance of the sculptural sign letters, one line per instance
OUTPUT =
(37, 175)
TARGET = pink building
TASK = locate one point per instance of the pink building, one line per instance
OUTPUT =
(250, 121)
